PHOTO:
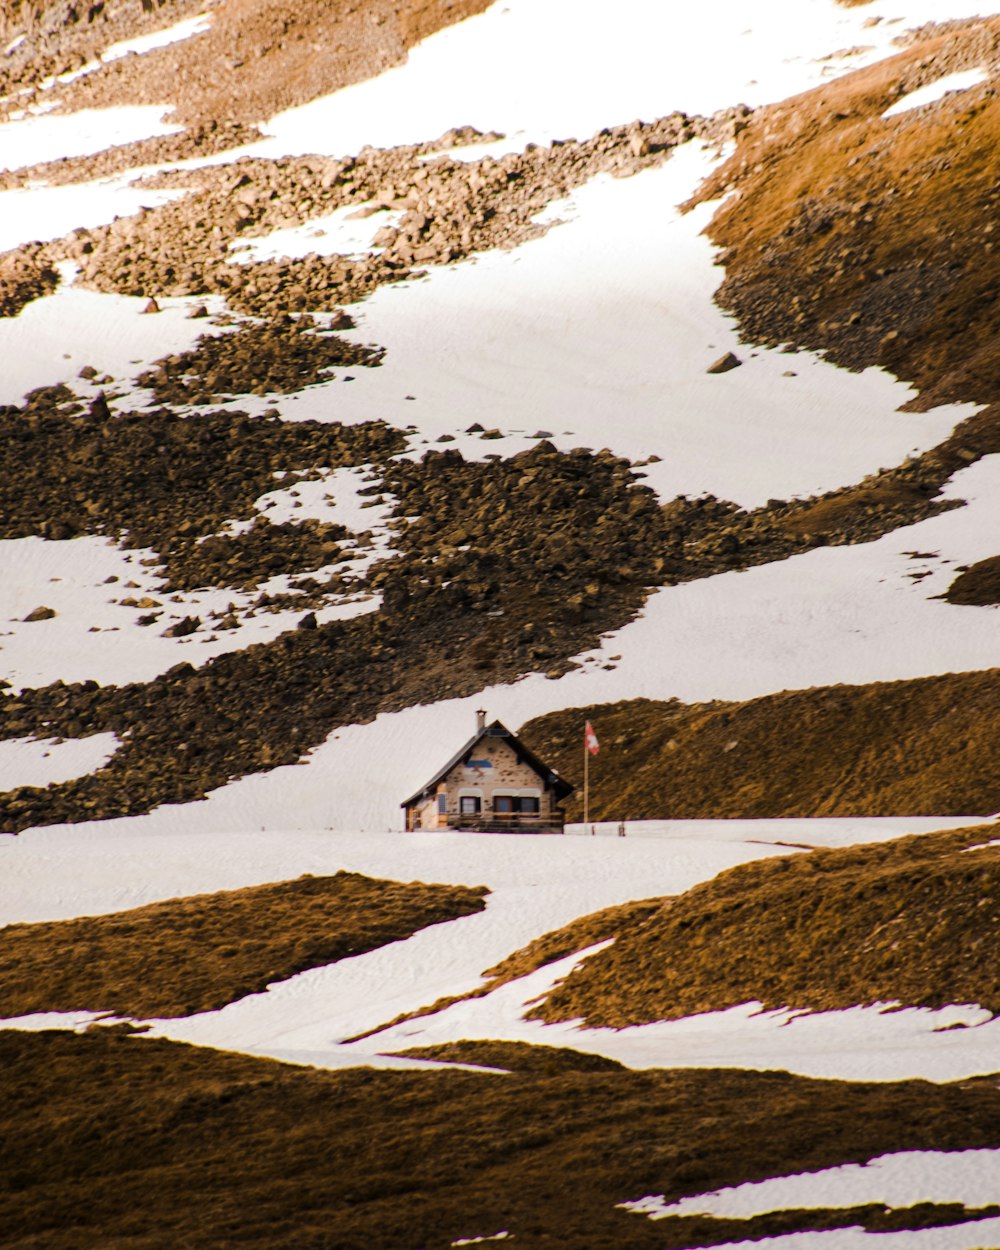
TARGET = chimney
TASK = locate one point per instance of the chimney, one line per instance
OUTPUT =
(480, 719)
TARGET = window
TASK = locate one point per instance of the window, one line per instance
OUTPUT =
(442, 804)
(508, 804)
(469, 805)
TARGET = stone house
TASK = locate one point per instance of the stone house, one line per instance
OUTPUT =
(494, 784)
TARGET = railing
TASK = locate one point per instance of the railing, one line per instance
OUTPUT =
(507, 822)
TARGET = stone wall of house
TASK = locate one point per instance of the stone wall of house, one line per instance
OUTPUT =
(494, 767)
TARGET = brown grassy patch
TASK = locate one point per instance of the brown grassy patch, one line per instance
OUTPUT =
(977, 585)
(195, 954)
(518, 1057)
(914, 921)
(113, 1140)
(926, 746)
(870, 238)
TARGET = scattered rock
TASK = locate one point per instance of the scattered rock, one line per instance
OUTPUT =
(724, 363)
(186, 625)
(40, 614)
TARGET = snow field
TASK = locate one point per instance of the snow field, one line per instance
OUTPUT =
(537, 884)
(539, 70)
(969, 1177)
(94, 637)
(858, 1044)
(53, 338)
(600, 333)
(840, 614)
(976, 1235)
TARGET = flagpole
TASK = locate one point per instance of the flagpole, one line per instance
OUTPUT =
(586, 779)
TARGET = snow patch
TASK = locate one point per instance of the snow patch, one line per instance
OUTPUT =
(52, 137)
(969, 1177)
(159, 39)
(340, 233)
(937, 90)
(45, 761)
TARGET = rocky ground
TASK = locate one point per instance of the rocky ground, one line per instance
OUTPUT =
(870, 238)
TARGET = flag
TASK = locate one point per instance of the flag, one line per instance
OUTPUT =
(590, 739)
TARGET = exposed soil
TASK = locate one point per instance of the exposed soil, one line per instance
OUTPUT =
(915, 921)
(110, 1138)
(871, 239)
(196, 954)
(925, 746)
(258, 57)
(283, 355)
(978, 585)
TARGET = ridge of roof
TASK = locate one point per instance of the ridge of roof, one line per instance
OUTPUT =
(538, 765)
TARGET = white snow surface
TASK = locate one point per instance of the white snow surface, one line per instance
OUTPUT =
(975, 1235)
(158, 39)
(600, 333)
(840, 614)
(937, 90)
(537, 884)
(51, 136)
(543, 69)
(968, 1177)
(94, 636)
(342, 232)
(42, 761)
(971, 1177)
(53, 338)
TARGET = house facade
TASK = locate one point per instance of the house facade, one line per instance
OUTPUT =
(494, 784)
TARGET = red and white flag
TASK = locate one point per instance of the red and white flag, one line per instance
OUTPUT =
(590, 739)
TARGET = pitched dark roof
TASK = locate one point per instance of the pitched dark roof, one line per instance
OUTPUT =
(562, 788)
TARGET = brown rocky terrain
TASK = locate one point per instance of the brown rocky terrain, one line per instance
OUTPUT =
(114, 1138)
(450, 208)
(925, 746)
(871, 239)
(282, 355)
(188, 955)
(452, 618)
(257, 58)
